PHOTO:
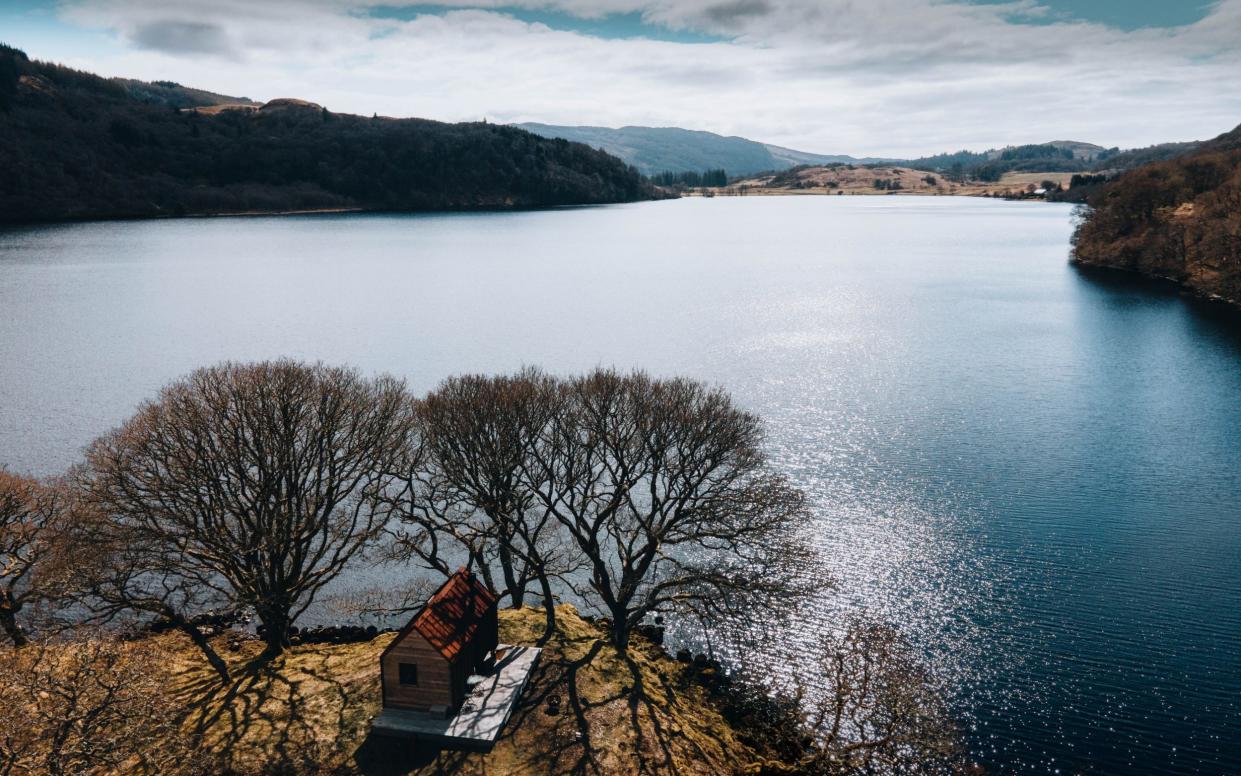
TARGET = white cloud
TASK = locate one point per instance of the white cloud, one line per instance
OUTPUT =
(881, 77)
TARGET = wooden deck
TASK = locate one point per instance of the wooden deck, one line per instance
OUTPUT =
(483, 715)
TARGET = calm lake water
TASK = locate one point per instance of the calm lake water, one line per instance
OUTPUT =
(1033, 472)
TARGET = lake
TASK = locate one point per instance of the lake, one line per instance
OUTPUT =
(1033, 472)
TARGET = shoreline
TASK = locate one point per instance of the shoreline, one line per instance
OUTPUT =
(314, 211)
(882, 180)
(1230, 308)
(258, 213)
(876, 193)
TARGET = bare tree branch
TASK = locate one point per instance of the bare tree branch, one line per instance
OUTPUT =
(468, 487)
(663, 487)
(246, 485)
(32, 520)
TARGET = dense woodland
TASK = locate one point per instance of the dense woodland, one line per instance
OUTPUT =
(1178, 219)
(1136, 157)
(74, 145)
(717, 177)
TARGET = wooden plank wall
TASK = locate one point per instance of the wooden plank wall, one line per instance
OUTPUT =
(435, 681)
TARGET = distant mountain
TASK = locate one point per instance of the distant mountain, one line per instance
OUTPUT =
(656, 150)
(1178, 219)
(671, 149)
(77, 146)
(790, 158)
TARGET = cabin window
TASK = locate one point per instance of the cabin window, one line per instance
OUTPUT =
(408, 673)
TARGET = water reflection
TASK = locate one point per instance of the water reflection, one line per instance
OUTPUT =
(1030, 470)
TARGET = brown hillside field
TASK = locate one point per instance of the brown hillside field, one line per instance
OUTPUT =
(310, 712)
(861, 180)
(212, 110)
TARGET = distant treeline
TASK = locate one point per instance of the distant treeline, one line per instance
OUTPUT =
(690, 179)
(1136, 157)
(1087, 179)
(74, 145)
(1178, 219)
(990, 166)
(1082, 186)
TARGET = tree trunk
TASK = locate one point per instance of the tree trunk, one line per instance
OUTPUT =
(516, 591)
(8, 620)
(549, 607)
(274, 613)
(620, 630)
(275, 634)
(480, 567)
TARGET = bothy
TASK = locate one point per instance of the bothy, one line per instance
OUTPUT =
(428, 665)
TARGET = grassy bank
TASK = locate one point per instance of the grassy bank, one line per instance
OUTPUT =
(831, 181)
(310, 712)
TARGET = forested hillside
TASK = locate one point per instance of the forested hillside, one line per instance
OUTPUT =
(991, 165)
(1056, 156)
(655, 150)
(174, 95)
(1178, 219)
(74, 145)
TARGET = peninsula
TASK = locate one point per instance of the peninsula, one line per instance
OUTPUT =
(1178, 220)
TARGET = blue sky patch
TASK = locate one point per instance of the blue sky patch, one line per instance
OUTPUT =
(1122, 14)
(34, 27)
(617, 26)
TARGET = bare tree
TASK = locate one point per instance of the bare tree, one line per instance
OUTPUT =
(31, 519)
(128, 572)
(382, 602)
(880, 711)
(467, 485)
(87, 705)
(252, 483)
(864, 703)
(663, 488)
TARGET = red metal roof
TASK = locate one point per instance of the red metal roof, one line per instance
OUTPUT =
(451, 617)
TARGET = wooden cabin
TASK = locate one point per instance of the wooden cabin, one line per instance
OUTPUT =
(427, 665)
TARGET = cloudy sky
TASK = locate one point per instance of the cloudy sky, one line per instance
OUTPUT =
(867, 77)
